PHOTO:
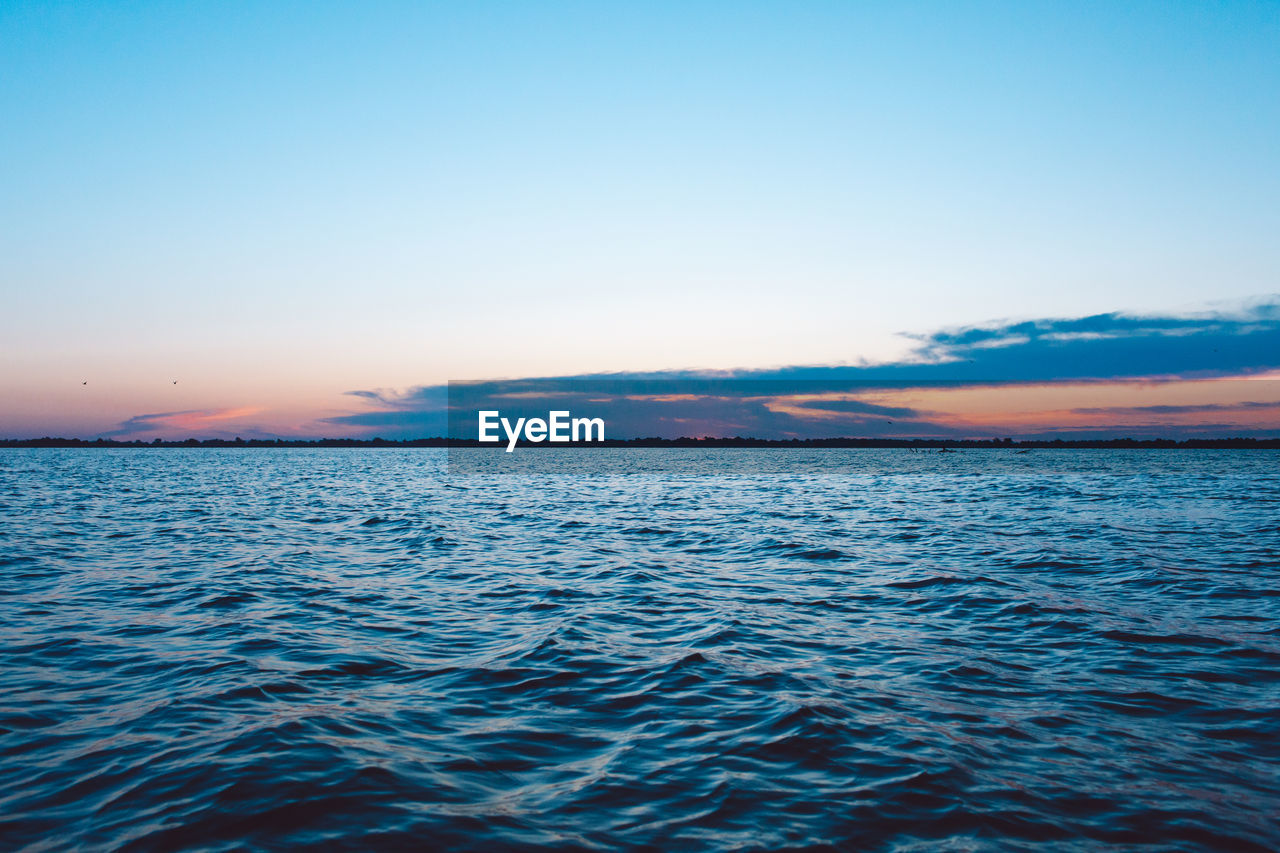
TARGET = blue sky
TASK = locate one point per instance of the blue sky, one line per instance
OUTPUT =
(277, 203)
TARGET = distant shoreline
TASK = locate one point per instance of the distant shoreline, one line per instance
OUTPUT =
(804, 443)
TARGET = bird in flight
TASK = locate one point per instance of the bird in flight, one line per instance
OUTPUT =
(175, 382)
(84, 383)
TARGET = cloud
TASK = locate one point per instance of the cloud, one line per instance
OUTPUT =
(856, 399)
(1247, 406)
(856, 407)
(419, 412)
(1102, 346)
(205, 422)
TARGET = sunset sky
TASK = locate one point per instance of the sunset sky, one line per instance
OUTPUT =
(309, 215)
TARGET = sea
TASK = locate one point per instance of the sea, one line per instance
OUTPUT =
(674, 649)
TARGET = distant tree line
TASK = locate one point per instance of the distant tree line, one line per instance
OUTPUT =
(737, 441)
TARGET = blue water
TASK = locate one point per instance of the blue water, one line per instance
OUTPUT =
(662, 649)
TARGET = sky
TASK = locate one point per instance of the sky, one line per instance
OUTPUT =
(227, 217)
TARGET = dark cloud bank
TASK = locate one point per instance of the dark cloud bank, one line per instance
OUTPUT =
(1098, 348)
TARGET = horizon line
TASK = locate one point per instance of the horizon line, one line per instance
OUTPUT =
(846, 442)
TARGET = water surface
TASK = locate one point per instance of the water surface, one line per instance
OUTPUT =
(669, 649)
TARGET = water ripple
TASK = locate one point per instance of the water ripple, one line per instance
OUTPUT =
(732, 649)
